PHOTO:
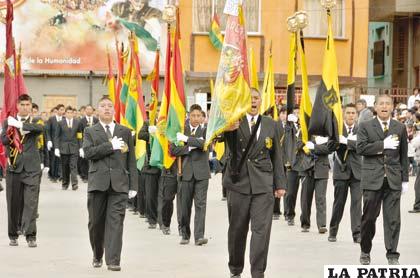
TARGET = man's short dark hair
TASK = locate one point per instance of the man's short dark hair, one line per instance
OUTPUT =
(89, 105)
(59, 106)
(105, 97)
(195, 107)
(283, 109)
(35, 106)
(203, 114)
(52, 109)
(362, 101)
(350, 105)
(383, 95)
(69, 108)
(82, 108)
(24, 97)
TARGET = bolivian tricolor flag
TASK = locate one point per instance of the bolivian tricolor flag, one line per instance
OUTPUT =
(232, 97)
(160, 154)
(268, 93)
(111, 82)
(176, 111)
(132, 96)
(215, 34)
(327, 117)
(154, 94)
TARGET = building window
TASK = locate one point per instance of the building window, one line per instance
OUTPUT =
(204, 10)
(317, 16)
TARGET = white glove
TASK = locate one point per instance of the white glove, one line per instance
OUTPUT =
(310, 145)
(404, 187)
(292, 118)
(13, 122)
(117, 143)
(319, 140)
(352, 137)
(46, 169)
(390, 143)
(81, 153)
(42, 166)
(132, 194)
(152, 129)
(191, 148)
(343, 140)
(57, 152)
(181, 137)
(49, 145)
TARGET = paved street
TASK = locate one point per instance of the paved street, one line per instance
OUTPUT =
(64, 250)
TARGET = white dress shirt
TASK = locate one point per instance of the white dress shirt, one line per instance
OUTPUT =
(59, 118)
(249, 118)
(111, 127)
(347, 129)
(69, 123)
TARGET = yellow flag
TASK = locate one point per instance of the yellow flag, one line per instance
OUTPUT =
(253, 73)
(268, 93)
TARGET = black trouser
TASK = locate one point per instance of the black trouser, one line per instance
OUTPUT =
(21, 215)
(167, 191)
(341, 188)
(390, 201)
(151, 196)
(69, 169)
(291, 194)
(242, 209)
(141, 202)
(417, 191)
(106, 221)
(83, 166)
(224, 194)
(197, 191)
(55, 166)
(310, 185)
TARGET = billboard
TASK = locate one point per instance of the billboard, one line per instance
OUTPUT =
(73, 35)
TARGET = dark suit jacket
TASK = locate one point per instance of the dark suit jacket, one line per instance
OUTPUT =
(84, 123)
(195, 163)
(69, 141)
(343, 169)
(145, 136)
(378, 162)
(106, 166)
(51, 128)
(264, 168)
(29, 160)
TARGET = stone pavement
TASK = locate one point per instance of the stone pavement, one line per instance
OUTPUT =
(64, 250)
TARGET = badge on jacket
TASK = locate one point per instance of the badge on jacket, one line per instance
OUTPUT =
(268, 143)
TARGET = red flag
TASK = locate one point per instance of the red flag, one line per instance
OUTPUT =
(13, 86)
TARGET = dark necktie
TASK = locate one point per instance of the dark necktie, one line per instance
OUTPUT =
(108, 132)
(349, 131)
(385, 128)
(193, 131)
(252, 124)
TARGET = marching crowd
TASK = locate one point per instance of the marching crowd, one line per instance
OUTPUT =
(263, 162)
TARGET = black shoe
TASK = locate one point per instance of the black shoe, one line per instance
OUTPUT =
(291, 222)
(184, 241)
(113, 267)
(276, 216)
(64, 187)
(32, 243)
(201, 241)
(322, 230)
(85, 180)
(364, 258)
(19, 232)
(414, 211)
(13, 242)
(166, 231)
(357, 240)
(152, 226)
(1, 188)
(97, 263)
(393, 261)
(235, 275)
(74, 187)
(224, 198)
(305, 229)
(332, 238)
(142, 215)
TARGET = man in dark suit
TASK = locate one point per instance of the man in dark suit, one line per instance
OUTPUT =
(250, 196)
(315, 183)
(68, 142)
(86, 121)
(151, 179)
(112, 178)
(51, 128)
(383, 143)
(346, 175)
(195, 175)
(23, 173)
